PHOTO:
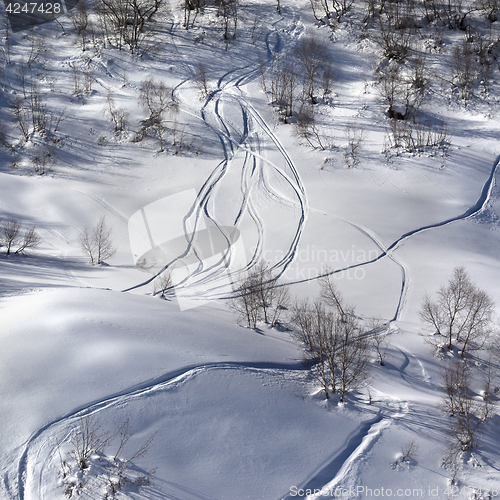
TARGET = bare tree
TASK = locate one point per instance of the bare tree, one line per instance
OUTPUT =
(312, 54)
(379, 339)
(128, 22)
(409, 450)
(464, 69)
(353, 363)
(10, 235)
(314, 328)
(157, 100)
(97, 243)
(259, 295)
(15, 239)
(330, 294)
(341, 7)
(246, 301)
(81, 22)
(306, 128)
(462, 313)
(402, 97)
(37, 47)
(201, 80)
(191, 10)
(466, 412)
(283, 84)
(87, 440)
(118, 115)
(228, 12)
(163, 285)
(334, 344)
(396, 42)
(355, 137)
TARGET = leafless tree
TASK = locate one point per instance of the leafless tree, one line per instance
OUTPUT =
(491, 8)
(355, 136)
(466, 412)
(341, 7)
(21, 74)
(201, 80)
(22, 115)
(191, 10)
(87, 440)
(15, 239)
(462, 313)
(306, 127)
(283, 84)
(464, 69)
(334, 344)
(163, 284)
(118, 115)
(320, 9)
(37, 47)
(228, 13)
(10, 235)
(128, 22)
(409, 450)
(97, 243)
(353, 363)
(330, 294)
(396, 43)
(81, 22)
(379, 339)
(44, 156)
(259, 295)
(272, 295)
(115, 471)
(157, 100)
(312, 54)
(245, 301)
(399, 92)
(314, 328)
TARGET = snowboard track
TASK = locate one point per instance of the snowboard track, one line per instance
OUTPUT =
(234, 142)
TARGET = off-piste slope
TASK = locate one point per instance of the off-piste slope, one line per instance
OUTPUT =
(233, 412)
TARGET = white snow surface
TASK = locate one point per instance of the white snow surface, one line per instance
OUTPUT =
(232, 411)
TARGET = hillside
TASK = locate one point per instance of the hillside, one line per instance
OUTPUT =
(359, 143)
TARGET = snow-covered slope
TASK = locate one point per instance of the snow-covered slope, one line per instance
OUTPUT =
(232, 410)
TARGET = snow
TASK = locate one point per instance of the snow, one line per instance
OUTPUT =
(232, 410)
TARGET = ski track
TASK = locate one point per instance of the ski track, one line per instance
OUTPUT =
(249, 141)
(342, 466)
(478, 207)
(39, 441)
(234, 142)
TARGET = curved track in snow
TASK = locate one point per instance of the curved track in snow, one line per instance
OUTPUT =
(242, 144)
(40, 446)
(388, 251)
